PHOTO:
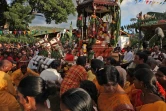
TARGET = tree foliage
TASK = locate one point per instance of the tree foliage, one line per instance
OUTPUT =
(57, 10)
(18, 16)
(3, 8)
(21, 12)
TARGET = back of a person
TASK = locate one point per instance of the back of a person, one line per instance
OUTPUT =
(7, 92)
(114, 102)
(8, 102)
(157, 106)
(73, 77)
(51, 75)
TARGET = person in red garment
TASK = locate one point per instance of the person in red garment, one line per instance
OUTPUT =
(69, 56)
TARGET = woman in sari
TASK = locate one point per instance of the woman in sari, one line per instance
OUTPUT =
(151, 98)
(114, 97)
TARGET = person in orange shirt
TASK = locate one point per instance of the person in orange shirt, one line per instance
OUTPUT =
(114, 97)
(21, 73)
(151, 99)
(131, 90)
(7, 90)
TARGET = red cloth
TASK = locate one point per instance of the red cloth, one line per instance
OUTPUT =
(8, 58)
(137, 96)
(73, 77)
(69, 57)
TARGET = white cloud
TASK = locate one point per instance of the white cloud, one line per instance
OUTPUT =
(129, 9)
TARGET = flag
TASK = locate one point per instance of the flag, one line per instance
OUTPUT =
(147, 1)
(24, 32)
(29, 32)
(20, 32)
(0, 32)
(15, 32)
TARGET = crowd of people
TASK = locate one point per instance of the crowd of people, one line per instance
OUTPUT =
(97, 85)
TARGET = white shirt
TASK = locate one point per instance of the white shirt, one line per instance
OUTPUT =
(51, 75)
(128, 56)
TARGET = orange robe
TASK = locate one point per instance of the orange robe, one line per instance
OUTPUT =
(8, 102)
(6, 83)
(157, 106)
(114, 102)
(131, 91)
(17, 75)
(7, 93)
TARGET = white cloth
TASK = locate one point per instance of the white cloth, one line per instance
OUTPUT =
(51, 75)
(128, 56)
(123, 72)
(154, 55)
(155, 69)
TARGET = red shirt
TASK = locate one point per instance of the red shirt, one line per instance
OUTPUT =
(69, 57)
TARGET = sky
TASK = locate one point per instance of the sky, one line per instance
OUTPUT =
(129, 9)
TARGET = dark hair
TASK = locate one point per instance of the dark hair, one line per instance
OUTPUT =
(130, 72)
(55, 64)
(148, 78)
(90, 87)
(81, 60)
(140, 66)
(109, 73)
(1, 63)
(142, 55)
(5, 52)
(96, 64)
(23, 66)
(112, 61)
(77, 99)
(163, 70)
(35, 87)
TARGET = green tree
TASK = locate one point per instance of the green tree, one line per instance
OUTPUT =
(18, 16)
(57, 10)
(3, 8)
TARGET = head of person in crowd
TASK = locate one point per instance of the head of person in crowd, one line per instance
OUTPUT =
(56, 64)
(111, 61)
(108, 77)
(76, 99)
(96, 65)
(147, 82)
(140, 58)
(15, 50)
(128, 48)
(91, 89)
(5, 65)
(33, 92)
(19, 55)
(5, 54)
(81, 60)
(161, 76)
(156, 49)
(145, 45)
(140, 66)
(24, 52)
(152, 63)
(123, 74)
(24, 69)
(130, 75)
(31, 52)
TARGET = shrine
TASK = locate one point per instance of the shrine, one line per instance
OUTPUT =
(98, 25)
